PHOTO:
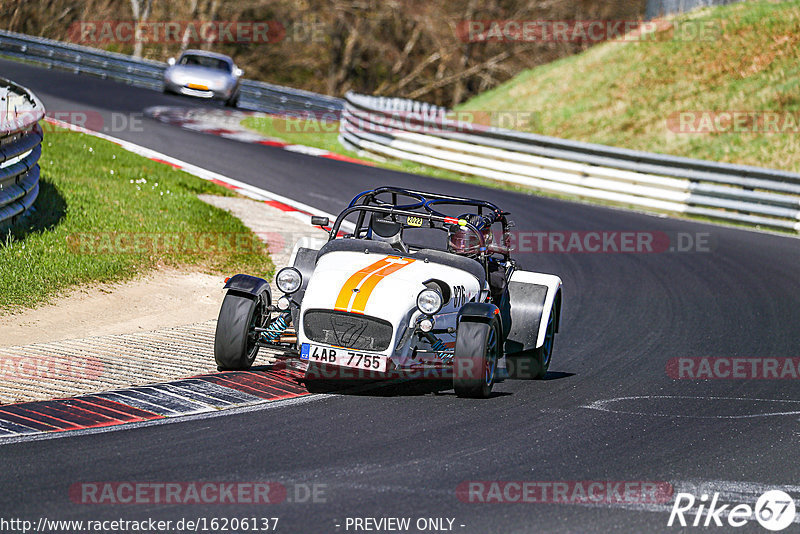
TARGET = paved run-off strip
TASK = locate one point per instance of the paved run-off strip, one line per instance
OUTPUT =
(34, 374)
(42, 371)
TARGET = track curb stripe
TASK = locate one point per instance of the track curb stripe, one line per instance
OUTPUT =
(260, 386)
(36, 424)
(128, 413)
(13, 429)
(194, 395)
(220, 395)
(198, 120)
(95, 408)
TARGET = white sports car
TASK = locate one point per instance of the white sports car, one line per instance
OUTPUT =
(370, 304)
(204, 74)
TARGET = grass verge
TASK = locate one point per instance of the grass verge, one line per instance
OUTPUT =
(741, 58)
(105, 214)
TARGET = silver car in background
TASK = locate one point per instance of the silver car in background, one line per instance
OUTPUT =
(204, 74)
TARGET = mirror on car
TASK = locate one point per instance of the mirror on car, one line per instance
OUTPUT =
(171, 61)
(238, 72)
(320, 221)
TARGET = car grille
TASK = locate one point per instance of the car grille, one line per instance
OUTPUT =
(348, 330)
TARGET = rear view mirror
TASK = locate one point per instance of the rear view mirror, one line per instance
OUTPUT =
(320, 221)
(238, 72)
(171, 61)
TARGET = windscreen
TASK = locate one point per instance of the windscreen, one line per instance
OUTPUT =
(205, 61)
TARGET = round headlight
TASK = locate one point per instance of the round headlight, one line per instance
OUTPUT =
(288, 280)
(429, 301)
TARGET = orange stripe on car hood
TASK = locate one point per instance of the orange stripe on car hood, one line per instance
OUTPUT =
(357, 289)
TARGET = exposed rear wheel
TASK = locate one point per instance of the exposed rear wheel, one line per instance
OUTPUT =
(533, 364)
(235, 340)
(475, 358)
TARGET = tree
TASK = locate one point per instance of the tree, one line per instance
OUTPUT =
(141, 13)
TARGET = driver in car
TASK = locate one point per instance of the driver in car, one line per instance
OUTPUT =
(463, 241)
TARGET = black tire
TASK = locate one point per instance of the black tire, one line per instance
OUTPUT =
(533, 364)
(475, 358)
(235, 346)
(232, 102)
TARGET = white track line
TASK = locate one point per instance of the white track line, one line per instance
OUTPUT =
(603, 406)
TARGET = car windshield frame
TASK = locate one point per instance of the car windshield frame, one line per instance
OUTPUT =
(419, 214)
(209, 62)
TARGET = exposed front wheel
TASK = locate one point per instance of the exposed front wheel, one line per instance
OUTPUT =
(475, 358)
(235, 339)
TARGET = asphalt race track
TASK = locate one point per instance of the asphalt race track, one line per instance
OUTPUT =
(625, 316)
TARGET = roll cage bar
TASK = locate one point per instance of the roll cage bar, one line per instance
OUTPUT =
(421, 213)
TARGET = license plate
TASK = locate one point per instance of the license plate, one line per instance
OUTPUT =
(197, 86)
(343, 357)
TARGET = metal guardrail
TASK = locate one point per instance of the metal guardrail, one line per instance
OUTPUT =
(409, 130)
(391, 127)
(255, 95)
(20, 149)
(660, 8)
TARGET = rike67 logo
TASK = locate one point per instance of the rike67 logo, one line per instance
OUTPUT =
(774, 510)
